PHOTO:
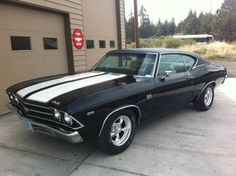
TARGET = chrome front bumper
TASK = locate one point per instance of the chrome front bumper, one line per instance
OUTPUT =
(73, 137)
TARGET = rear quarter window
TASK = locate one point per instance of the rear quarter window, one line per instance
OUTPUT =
(189, 62)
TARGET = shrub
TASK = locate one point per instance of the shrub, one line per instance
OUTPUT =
(200, 50)
(188, 42)
(158, 43)
(170, 42)
(146, 43)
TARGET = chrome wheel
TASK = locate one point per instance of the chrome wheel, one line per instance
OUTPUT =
(208, 97)
(121, 130)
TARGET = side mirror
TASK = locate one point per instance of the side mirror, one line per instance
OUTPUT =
(167, 73)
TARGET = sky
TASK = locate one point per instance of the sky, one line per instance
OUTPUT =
(179, 9)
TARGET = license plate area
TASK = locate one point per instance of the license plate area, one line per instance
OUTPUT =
(28, 126)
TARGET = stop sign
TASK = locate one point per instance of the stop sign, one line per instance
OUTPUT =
(78, 39)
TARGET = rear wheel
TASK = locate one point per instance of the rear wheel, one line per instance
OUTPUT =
(118, 132)
(205, 100)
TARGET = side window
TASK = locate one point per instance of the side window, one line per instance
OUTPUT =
(171, 62)
(189, 62)
(102, 44)
(89, 44)
(112, 44)
(20, 43)
(50, 43)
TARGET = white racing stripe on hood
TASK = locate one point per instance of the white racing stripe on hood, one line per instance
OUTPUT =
(35, 87)
(46, 95)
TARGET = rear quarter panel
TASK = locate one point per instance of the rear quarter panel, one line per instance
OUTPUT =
(205, 74)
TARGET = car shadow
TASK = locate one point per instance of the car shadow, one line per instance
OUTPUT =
(172, 114)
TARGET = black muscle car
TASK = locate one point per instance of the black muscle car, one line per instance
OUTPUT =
(124, 88)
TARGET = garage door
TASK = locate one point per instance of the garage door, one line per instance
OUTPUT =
(32, 44)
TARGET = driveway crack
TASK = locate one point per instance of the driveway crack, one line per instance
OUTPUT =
(115, 169)
(34, 153)
(77, 167)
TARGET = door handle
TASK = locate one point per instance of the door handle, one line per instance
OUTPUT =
(149, 96)
(190, 78)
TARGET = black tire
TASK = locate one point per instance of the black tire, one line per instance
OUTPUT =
(200, 104)
(105, 140)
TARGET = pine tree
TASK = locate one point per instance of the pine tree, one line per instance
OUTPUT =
(130, 29)
(147, 28)
(225, 23)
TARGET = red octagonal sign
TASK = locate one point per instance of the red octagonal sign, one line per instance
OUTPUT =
(78, 39)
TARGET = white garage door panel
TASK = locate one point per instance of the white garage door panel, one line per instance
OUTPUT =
(17, 66)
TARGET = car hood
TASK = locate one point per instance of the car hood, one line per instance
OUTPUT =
(66, 89)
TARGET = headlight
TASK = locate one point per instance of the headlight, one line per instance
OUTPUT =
(68, 119)
(11, 97)
(16, 100)
(57, 115)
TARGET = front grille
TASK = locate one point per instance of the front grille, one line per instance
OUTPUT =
(41, 113)
(34, 110)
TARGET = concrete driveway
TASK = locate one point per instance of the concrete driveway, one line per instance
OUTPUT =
(183, 143)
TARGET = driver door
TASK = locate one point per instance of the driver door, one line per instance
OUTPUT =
(172, 85)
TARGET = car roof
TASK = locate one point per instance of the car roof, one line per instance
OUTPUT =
(152, 50)
(160, 51)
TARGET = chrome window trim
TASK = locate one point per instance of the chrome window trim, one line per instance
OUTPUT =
(156, 61)
(116, 110)
(193, 67)
(197, 66)
(159, 60)
(183, 60)
(204, 88)
(195, 61)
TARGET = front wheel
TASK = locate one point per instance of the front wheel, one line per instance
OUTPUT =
(118, 132)
(205, 100)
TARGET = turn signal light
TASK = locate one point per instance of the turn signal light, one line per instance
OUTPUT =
(57, 115)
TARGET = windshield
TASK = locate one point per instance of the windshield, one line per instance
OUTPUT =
(132, 64)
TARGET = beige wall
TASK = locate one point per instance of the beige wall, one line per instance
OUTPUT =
(99, 24)
(74, 8)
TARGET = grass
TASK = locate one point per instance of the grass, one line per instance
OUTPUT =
(216, 50)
